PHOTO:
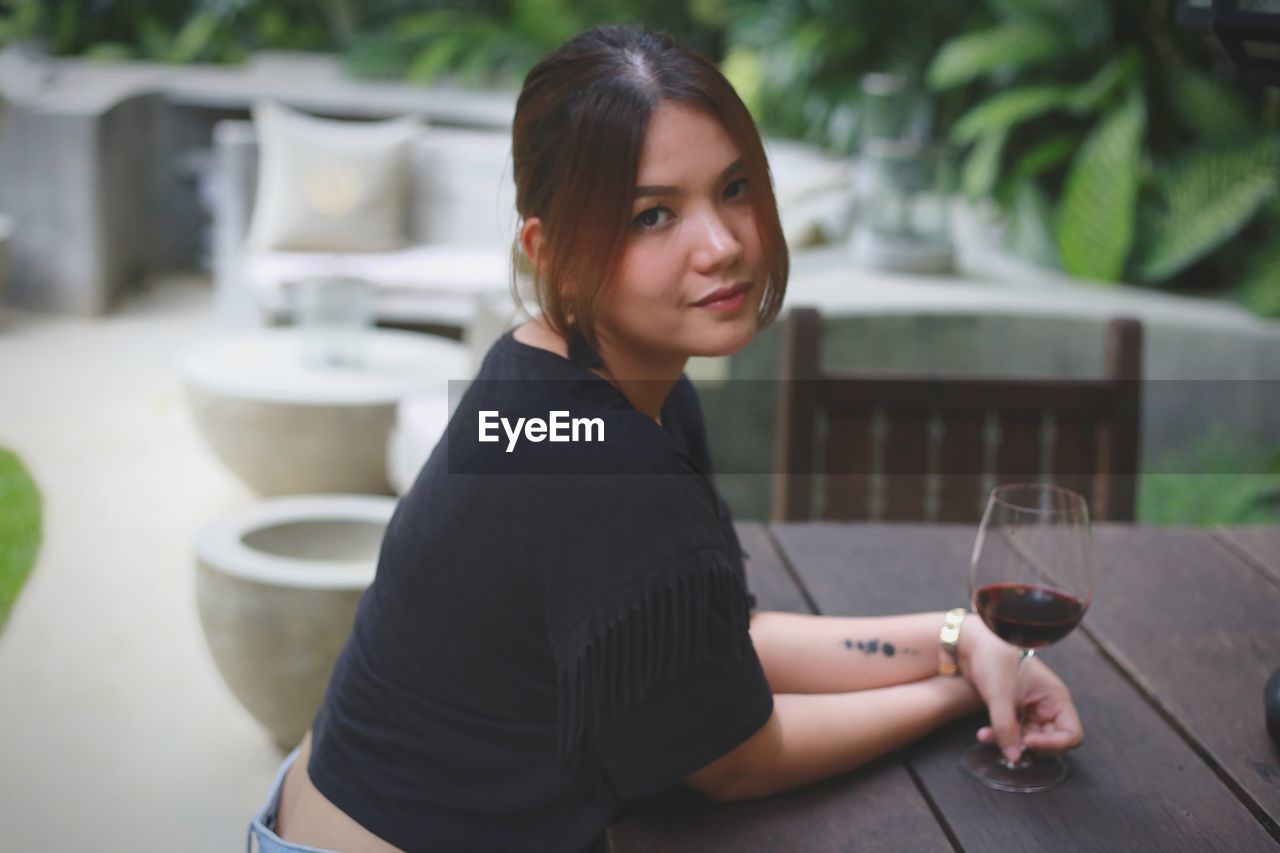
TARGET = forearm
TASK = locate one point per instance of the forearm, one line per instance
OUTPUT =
(813, 737)
(836, 654)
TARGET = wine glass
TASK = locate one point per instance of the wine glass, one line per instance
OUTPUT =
(1031, 581)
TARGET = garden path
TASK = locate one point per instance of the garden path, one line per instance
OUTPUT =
(117, 732)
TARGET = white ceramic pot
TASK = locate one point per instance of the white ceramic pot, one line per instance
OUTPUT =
(277, 588)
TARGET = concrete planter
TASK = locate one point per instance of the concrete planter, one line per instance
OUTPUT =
(279, 448)
(284, 426)
(277, 588)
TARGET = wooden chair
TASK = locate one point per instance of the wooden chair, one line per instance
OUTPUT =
(896, 447)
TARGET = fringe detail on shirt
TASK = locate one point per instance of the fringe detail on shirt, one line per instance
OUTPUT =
(641, 638)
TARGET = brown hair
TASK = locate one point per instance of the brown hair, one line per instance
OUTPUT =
(579, 129)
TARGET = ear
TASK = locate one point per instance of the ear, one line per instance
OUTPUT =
(531, 242)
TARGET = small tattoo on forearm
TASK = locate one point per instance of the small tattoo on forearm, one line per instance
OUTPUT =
(871, 647)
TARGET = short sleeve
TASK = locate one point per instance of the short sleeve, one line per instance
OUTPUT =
(662, 679)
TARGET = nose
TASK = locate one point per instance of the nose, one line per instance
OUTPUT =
(716, 247)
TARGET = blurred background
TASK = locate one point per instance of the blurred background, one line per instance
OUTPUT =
(1013, 88)
(971, 188)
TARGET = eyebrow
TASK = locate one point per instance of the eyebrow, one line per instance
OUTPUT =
(641, 191)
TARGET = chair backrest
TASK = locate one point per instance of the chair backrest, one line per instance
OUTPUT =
(894, 447)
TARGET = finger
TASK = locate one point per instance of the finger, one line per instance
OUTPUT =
(986, 734)
(1004, 721)
(1036, 727)
(1061, 732)
(1052, 741)
(1067, 722)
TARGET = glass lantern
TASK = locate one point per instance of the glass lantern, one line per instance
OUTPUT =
(334, 315)
(901, 216)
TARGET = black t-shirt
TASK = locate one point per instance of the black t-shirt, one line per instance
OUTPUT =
(553, 629)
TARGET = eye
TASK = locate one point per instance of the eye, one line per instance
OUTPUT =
(653, 217)
(737, 189)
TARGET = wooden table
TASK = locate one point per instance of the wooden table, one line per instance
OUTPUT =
(1167, 671)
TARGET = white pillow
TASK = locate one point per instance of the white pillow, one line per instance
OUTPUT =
(325, 185)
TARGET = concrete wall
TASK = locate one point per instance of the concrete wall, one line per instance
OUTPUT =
(47, 169)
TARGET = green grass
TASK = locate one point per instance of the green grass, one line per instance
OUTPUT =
(19, 529)
(1220, 480)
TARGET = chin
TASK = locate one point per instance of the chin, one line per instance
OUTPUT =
(727, 340)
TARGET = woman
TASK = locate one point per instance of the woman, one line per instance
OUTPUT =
(559, 626)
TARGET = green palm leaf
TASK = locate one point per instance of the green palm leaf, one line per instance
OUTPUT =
(1088, 21)
(1096, 215)
(1176, 243)
(1044, 155)
(1208, 196)
(1013, 45)
(436, 56)
(982, 166)
(1260, 285)
(1094, 93)
(441, 39)
(196, 35)
(153, 39)
(1012, 107)
(1208, 108)
(422, 25)
(1007, 109)
(547, 22)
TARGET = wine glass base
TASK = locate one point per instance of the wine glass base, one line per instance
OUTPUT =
(1033, 773)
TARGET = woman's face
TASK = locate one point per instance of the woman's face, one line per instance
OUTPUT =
(692, 274)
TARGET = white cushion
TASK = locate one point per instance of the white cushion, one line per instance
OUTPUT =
(462, 191)
(421, 283)
(324, 185)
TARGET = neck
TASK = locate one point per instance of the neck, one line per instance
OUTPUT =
(644, 379)
(647, 395)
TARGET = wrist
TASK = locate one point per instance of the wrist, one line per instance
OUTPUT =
(956, 698)
(973, 637)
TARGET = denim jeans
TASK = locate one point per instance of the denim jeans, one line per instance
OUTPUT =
(262, 827)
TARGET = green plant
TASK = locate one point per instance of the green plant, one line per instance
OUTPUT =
(473, 44)
(492, 41)
(19, 529)
(78, 26)
(1111, 153)
(1218, 480)
(498, 41)
(799, 63)
(19, 20)
(176, 31)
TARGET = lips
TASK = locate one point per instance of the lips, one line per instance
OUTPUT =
(720, 294)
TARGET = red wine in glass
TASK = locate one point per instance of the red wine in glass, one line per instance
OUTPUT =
(1027, 615)
(1031, 581)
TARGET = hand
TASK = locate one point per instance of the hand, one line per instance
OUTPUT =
(1049, 722)
(1041, 716)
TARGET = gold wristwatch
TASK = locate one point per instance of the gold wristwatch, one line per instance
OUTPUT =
(949, 642)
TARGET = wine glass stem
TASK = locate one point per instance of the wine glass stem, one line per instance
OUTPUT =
(1024, 760)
